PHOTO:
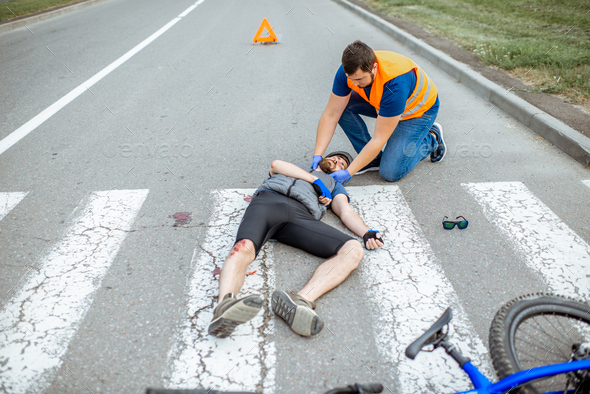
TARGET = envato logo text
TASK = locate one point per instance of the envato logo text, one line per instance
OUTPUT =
(474, 151)
(149, 151)
(462, 150)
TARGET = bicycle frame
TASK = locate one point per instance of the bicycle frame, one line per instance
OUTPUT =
(484, 386)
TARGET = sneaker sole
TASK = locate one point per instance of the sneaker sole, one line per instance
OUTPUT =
(443, 142)
(367, 170)
(241, 312)
(302, 319)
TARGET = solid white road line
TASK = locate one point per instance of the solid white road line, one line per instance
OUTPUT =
(189, 9)
(37, 325)
(410, 291)
(32, 124)
(586, 182)
(545, 243)
(8, 201)
(246, 359)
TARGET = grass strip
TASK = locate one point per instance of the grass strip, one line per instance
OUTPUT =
(545, 43)
(13, 8)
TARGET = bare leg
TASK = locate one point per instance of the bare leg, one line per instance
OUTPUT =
(333, 271)
(233, 272)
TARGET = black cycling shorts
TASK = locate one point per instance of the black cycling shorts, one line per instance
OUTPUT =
(273, 215)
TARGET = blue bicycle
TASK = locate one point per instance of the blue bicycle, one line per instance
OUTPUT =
(538, 343)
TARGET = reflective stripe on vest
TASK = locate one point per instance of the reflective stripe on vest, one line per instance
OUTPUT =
(390, 66)
(411, 106)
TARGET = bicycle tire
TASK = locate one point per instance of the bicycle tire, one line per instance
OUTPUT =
(523, 335)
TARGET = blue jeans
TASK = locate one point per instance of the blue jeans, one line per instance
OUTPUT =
(409, 144)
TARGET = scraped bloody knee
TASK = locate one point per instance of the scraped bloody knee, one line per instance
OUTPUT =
(239, 247)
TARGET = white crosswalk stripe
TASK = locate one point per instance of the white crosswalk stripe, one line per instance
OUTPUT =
(410, 291)
(586, 182)
(545, 242)
(37, 324)
(8, 201)
(245, 360)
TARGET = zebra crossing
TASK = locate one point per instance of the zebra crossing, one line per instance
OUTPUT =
(38, 322)
(404, 281)
(546, 243)
(237, 362)
(409, 287)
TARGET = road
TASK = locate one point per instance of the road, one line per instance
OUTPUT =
(107, 286)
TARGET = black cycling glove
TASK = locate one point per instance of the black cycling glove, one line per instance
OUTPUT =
(372, 234)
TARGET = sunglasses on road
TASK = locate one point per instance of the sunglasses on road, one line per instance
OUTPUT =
(450, 224)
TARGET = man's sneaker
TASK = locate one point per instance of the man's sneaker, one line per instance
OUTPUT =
(439, 153)
(297, 312)
(367, 168)
(372, 166)
(230, 312)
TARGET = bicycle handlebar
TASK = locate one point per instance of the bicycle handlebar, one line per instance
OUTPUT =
(358, 388)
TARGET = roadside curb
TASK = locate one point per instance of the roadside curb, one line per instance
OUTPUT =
(553, 130)
(24, 22)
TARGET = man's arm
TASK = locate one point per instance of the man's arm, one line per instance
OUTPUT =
(384, 128)
(328, 122)
(291, 170)
(352, 220)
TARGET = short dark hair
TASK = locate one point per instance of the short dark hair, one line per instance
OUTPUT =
(358, 55)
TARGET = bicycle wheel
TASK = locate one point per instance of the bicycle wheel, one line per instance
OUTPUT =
(536, 330)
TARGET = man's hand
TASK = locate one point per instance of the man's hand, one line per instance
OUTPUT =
(321, 189)
(315, 161)
(341, 176)
(324, 200)
(372, 239)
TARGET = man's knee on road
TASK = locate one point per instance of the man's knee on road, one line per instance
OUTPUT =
(354, 250)
(391, 176)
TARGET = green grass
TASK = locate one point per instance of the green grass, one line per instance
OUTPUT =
(544, 42)
(14, 8)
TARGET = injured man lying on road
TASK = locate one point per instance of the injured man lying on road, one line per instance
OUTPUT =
(288, 207)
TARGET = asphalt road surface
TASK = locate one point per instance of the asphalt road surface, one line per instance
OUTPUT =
(122, 187)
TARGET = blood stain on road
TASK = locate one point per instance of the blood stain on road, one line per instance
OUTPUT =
(181, 218)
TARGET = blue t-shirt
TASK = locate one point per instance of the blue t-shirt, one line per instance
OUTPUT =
(339, 189)
(395, 92)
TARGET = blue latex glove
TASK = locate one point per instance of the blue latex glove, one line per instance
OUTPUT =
(341, 176)
(315, 161)
(325, 192)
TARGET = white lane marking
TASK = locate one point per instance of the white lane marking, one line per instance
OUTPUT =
(246, 359)
(37, 325)
(189, 9)
(586, 182)
(546, 243)
(8, 201)
(410, 291)
(32, 124)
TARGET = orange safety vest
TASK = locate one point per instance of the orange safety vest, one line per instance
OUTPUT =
(391, 65)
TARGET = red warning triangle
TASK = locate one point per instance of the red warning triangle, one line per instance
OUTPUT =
(272, 37)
